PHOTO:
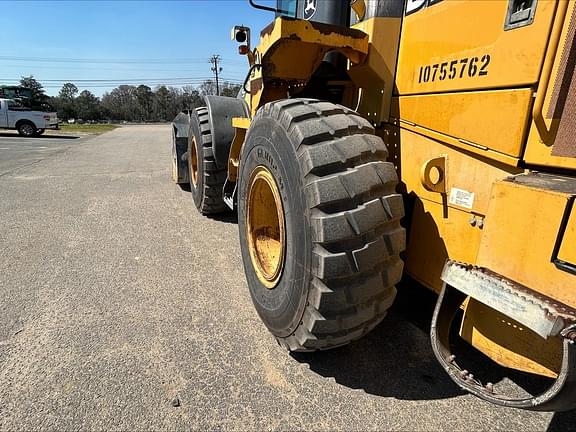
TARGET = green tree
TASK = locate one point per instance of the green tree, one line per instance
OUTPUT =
(208, 87)
(88, 106)
(229, 89)
(121, 103)
(38, 93)
(68, 91)
(190, 98)
(65, 102)
(39, 99)
(145, 100)
(163, 102)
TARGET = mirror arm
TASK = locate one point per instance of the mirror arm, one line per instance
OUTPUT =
(267, 8)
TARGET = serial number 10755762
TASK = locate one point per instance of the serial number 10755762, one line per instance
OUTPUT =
(456, 69)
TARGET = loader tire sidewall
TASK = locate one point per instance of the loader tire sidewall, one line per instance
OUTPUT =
(196, 189)
(282, 307)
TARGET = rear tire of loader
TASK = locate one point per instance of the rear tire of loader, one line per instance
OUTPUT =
(206, 180)
(319, 223)
(179, 160)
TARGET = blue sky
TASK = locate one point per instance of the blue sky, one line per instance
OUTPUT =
(155, 31)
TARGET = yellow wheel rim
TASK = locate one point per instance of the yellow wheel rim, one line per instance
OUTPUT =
(193, 162)
(265, 227)
(174, 170)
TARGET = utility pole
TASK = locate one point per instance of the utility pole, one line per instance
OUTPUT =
(216, 69)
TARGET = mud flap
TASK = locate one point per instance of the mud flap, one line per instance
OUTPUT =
(561, 396)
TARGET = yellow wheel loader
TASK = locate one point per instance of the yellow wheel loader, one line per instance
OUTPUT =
(435, 138)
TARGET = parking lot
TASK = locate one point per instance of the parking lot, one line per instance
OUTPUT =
(122, 308)
(17, 152)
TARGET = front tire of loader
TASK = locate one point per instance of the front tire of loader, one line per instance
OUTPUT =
(206, 180)
(319, 223)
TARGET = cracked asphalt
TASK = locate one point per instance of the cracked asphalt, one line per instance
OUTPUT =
(119, 301)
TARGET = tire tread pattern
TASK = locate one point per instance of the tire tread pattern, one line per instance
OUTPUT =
(355, 217)
(212, 201)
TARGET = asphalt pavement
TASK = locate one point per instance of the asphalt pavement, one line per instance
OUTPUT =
(17, 152)
(121, 308)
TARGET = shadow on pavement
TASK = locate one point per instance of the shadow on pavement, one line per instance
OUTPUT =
(563, 422)
(226, 217)
(230, 217)
(396, 358)
(65, 137)
(45, 136)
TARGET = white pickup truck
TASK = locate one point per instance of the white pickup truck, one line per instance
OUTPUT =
(28, 123)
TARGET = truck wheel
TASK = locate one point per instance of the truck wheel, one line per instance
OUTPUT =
(179, 161)
(206, 180)
(319, 222)
(26, 129)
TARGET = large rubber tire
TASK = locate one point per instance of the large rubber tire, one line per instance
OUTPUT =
(342, 223)
(207, 189)
(179, 159)
(27, 129)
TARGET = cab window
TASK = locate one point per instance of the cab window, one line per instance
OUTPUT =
(287, 7)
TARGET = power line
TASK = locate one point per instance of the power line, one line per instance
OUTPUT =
(135, 80)
(112, 61)
(117, 80)
(180, 69)
(216, 69)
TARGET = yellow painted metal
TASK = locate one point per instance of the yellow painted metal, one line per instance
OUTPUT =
(241, 124)
(495, 120)
(174, 175)
(286, 40)
(359, 8)
(440, 229)
(375, 76)
(433, 175)
(465, 170)
(265, 227)
(467, 146)
(193, 162)
(508, 342)
(543, 129)
(436, 234)
(446, 32)
(567, 252)
(520, 232)
(306, 37)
